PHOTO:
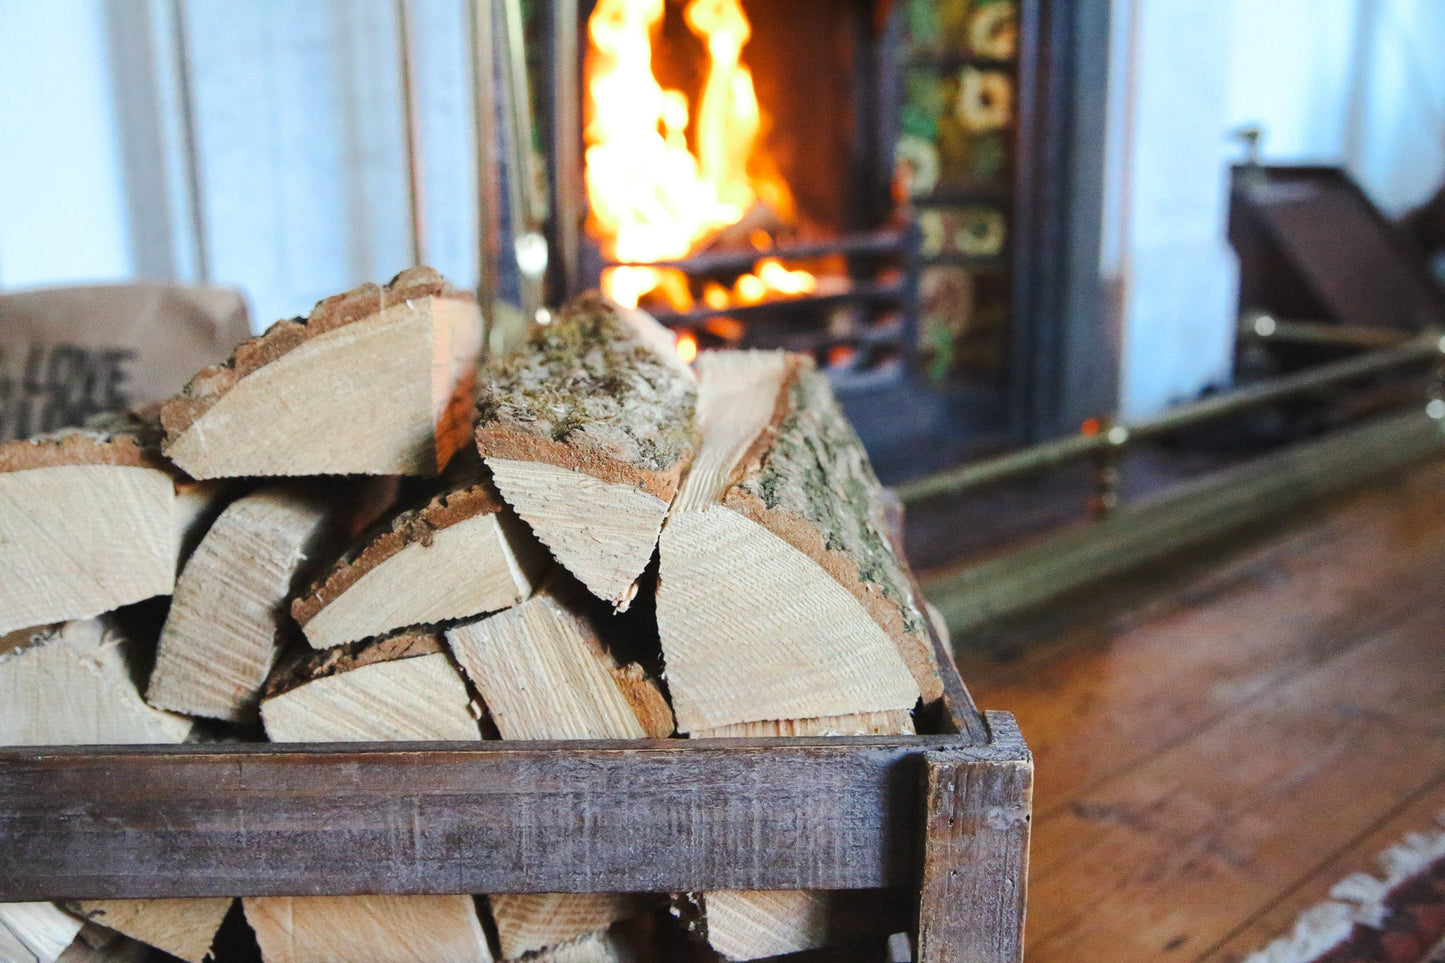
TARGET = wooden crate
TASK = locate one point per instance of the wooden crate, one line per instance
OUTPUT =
(942, 816)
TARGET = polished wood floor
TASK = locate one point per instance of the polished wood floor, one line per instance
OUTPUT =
(1222, 739)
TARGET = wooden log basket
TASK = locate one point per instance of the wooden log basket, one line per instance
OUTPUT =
(945, 816)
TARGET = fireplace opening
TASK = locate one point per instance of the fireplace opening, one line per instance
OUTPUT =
(736, 183)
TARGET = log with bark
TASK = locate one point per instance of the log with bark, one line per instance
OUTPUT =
(228, 621)
(184, 928)
(543, 672)
(588, 430)
(376, 381)
(462, 554)
(89, 521)
(779, 596)
(781, 607)
(404, 687)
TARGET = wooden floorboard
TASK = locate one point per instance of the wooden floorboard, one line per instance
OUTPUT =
(1359, 855)
(1212, 747)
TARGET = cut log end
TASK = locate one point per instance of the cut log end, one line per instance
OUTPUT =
(79, 540)
(544, 674)
(376, 382)
(75, 685)
(588, 432)
(404, 929)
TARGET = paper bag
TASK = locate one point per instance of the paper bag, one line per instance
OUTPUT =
(69, 353)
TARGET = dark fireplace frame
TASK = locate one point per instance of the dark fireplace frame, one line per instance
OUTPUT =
(1062, 354)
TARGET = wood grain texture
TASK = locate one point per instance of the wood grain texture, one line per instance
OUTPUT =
(540, 921)
(184, 928)
(667, 816)
(1222, 739)
(544, 674)
(588, 429)
(755, 924)
(376, 382)
(1171, 867)
(74, 684)
(420, 697)
(976, 860)
(368, 929)
(79, 540)
(753, 630)
(226, 621)
(461, 554)
(897, 722)
(776, 566)
(602, 532)
(415, 699)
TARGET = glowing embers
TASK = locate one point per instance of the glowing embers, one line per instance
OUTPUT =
(653, 195)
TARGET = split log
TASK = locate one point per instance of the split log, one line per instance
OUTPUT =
(400, 688)
(543, 672)
(779, 596)
(227, 620)
(892, 723)
(462, 554)
(377, 381)
(35, 931)
(554, 921)
(184, 928)
(384, 929)
(73, 684)
(759, 924)
(588, 430)
(781, 606)
(88, 523)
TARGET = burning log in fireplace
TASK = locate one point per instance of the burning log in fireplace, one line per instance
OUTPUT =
(737, 179)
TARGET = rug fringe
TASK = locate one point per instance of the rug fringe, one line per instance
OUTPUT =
(1357, 899)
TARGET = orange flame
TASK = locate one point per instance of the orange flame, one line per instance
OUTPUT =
(651, 199)
(687, 347)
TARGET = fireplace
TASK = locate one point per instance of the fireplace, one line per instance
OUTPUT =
(851, 179)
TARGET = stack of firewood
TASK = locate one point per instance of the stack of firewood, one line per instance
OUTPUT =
(337, 560)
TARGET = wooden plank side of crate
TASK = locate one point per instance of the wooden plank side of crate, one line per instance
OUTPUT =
(670, 815)
(977, 819)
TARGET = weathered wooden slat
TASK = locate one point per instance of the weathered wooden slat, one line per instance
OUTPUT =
(675, 815)
(976, 853)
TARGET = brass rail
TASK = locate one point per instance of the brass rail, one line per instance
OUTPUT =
(1107, 441)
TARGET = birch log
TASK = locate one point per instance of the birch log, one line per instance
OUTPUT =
(377, 381)
(587, 431)
(781, 607)
(88, 522)
(779, 596)
(462, 554)
(544, 673)
(401, 688)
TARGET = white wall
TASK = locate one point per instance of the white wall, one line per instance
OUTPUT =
(1352, 82)
(299, 135)
(1175, 275)
(62, 200)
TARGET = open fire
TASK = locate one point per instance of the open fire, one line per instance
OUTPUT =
(665, 179)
